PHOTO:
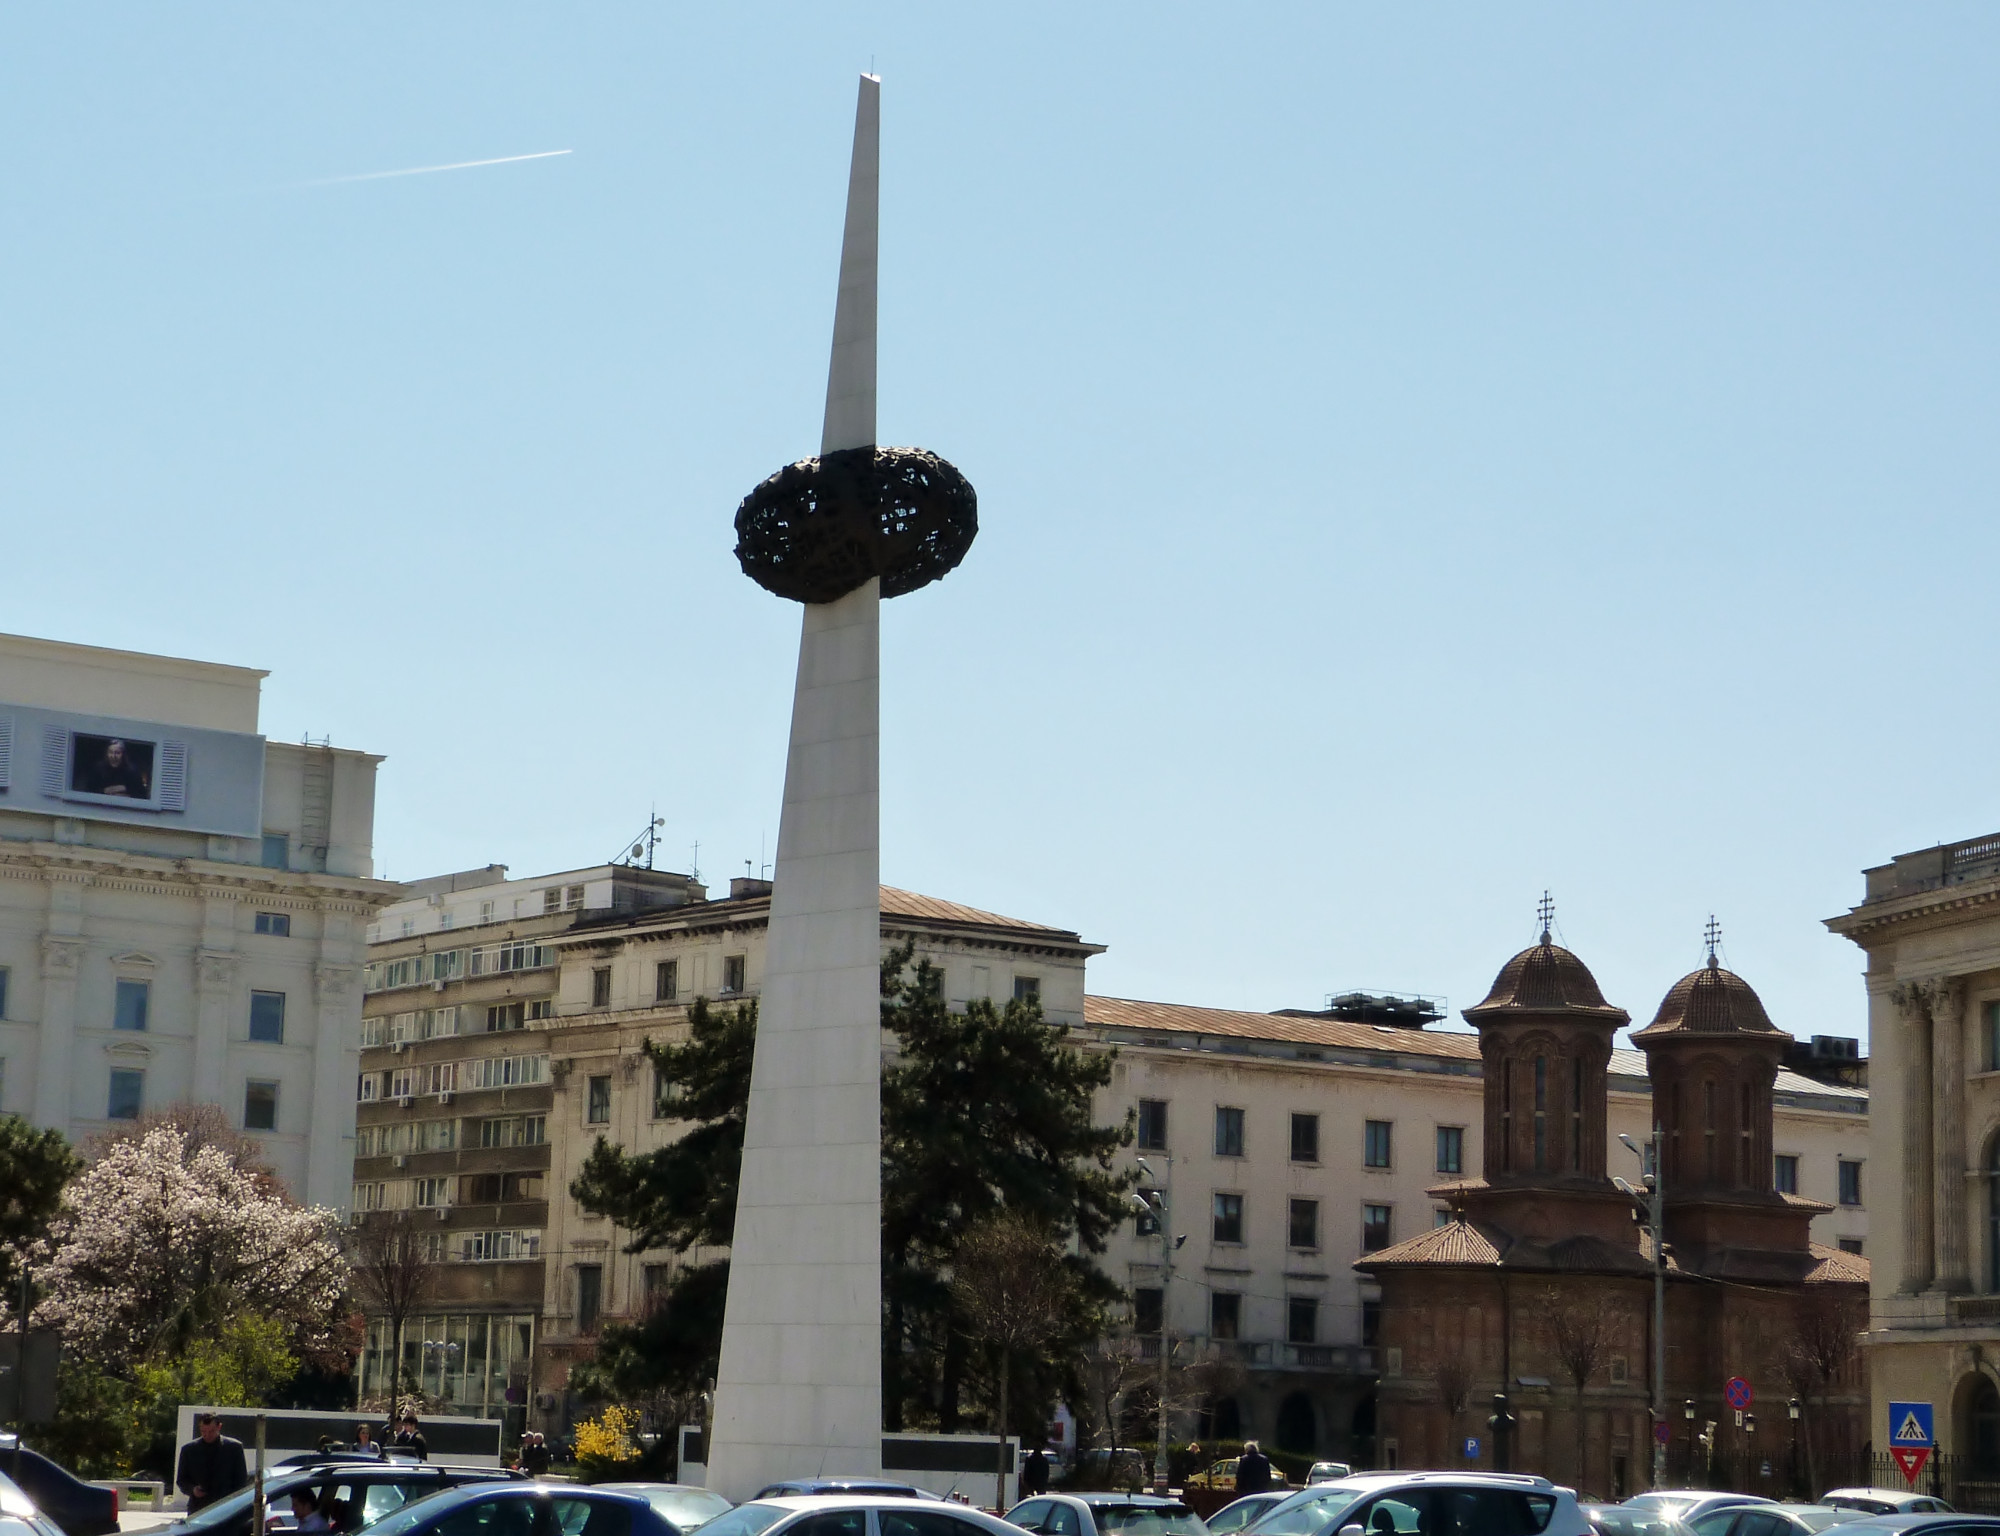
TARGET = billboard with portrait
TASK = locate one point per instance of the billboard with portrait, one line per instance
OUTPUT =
(118, 767)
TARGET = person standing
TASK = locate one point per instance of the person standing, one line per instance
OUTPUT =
(211, 1465)
(409, 1437)
(364, 1440)
(1253, 1470)
(1035, 1475)
(535, 1456)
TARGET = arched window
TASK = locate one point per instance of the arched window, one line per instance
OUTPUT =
(1298, 1425)
(1507, 1115)
(1745, 1119)
(1541, 1113)
(1576, 1114)
(1708, 1127)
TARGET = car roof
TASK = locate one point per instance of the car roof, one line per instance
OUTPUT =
(1127, 1500)
(1364, 1480)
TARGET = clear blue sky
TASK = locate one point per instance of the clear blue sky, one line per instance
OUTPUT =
(1425, 454)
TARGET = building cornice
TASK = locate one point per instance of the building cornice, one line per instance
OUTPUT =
(1941, 906)
(149, 874)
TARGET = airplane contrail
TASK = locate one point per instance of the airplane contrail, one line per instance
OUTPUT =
(425, 170)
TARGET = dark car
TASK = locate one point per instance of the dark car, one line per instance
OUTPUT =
(518, 1508)
(76, 1506)
(351, 1494)
(1105, 1514)
(874, 1487)
(682, 1506)
(18, 1515)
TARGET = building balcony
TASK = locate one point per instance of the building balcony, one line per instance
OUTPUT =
(1280, 1355)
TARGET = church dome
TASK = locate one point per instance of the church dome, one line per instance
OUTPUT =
(1545, 978)
(1710, 1001)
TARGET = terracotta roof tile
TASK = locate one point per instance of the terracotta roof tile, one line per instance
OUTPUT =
(898, 903)
(1184, 1019)
(1545, 978)
(1456, 1244)
(1836, 1267)
(1710, 1001)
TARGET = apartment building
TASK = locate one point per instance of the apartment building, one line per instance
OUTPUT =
(182, 905)
(452, 1101)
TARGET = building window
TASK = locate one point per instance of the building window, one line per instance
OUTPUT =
(1785, 1174)
(599, 1111)
(1991, 1013)
(734, 968)
(1302, 1320)
(129, 1007)
(368, 1088)
(267, 1017)
(1148, 1309)
(1152, 1125)
(1374, 1228)
(1302, 1224)
(1850, 1182)
(666, 981)
(1375, 1144)
(589, 1293)
(1451, 1149)
(3, 991)
(1850, 1245)
(600, 987)
(1225, 1314)
(552, 900)
(1228, 1132)
(654, 1281)
(572, 898)
(277, 924)
(504, 1016)
(430, 1192)
(1441, 1216)
(1371, 1324)
(1541, 1113)
(277, 850)
(260, 1106)
(128, 1094)
(1028, 989)
(1228, 1219)
(1305, 1138)
(486, 912)
(542, 1008)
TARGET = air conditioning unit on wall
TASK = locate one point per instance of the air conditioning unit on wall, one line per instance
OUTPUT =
(445, 1097)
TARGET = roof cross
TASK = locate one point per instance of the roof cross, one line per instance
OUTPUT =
(1545, 909)
(1712, 934)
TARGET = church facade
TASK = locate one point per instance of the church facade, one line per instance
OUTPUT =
(1518, 1333)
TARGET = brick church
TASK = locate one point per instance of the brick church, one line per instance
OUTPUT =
(1539, 1285)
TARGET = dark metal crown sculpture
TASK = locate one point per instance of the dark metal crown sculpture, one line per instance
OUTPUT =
(819, 528)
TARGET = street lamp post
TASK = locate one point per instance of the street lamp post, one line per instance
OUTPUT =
(1154, 1203)
(1653, 1201)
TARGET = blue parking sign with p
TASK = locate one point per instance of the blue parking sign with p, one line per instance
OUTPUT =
(1911, 1424)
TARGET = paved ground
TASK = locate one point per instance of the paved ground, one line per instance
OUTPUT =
(143, 1519)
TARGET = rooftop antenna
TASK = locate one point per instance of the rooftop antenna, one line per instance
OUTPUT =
(1545, 909)
(695, 873)
(642, 846)
(1712, 934)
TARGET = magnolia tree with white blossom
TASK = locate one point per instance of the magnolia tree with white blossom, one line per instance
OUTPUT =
(164, 1241)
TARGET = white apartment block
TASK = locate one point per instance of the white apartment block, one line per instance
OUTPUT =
(182, 905)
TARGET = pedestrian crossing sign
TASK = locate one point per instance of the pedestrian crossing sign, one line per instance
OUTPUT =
(1910, 1424)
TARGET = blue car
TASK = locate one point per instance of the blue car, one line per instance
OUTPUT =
(524, 1509)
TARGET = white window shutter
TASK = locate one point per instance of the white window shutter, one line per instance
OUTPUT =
(55, 752)
(173, 775)
(6, 750)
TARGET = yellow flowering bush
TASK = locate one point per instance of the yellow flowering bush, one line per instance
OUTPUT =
(608, 1443)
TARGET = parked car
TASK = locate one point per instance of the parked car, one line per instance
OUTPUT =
(862, 1515)
(1771, 1520)
(1406, 1503)
(1623, 1520)
(1953, 1524)
(77, 1507)
(1106, 1514)
(1232, 1518)
(1328, 1472)
(520, 1508)
(18, 1515)
(1886, 1501)
(682, 1505)
(351, 1494)
(1685, 1504)
(1109, 1467)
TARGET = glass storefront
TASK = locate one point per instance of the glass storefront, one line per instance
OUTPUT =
(471, 1363)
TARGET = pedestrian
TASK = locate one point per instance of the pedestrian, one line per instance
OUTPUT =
(1035, 1475)
(364, 1440)
(306, 1516)
(211, 1465)
(411, 1438)
(535, 1456)
(1253, 1470)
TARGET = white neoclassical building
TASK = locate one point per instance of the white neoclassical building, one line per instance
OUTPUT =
(183, 905)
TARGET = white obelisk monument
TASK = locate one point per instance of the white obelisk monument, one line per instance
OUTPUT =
(799, 1392)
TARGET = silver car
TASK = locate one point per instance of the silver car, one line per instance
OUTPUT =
(1427, 1504)
(836, 1514)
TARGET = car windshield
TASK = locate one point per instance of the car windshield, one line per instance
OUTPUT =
(745, 1520)
(1627, 1521)
(1305, 1513)
(419, 1508)
(224, 1510)
(1148, 1519)
(1235, 1516)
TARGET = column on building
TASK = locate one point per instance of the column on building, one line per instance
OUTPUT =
(330, 1106)
(55, 1051)
(1917, 1226)
(1947, 1009)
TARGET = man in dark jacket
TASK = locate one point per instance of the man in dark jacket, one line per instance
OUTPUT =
(210, 1466)
(1035, 1475)
(1253, 1470)
(410, 1438)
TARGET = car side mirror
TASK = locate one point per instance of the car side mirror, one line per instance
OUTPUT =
(1352, 1530)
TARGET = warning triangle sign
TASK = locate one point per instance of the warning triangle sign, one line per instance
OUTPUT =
(1911, 1459)
(1911, 1432)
